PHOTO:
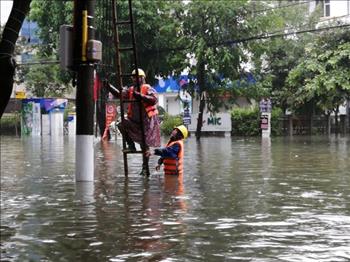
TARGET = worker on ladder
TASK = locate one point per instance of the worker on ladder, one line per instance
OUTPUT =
(130, 127)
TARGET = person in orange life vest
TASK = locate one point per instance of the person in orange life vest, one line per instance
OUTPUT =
(172, 154)
(131, 127)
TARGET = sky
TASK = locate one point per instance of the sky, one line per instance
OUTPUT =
(5, 9)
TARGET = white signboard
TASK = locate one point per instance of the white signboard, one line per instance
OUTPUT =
(220, 122)
(265, 124)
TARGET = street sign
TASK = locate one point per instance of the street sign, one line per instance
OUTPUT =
(264, 122)
(187, 120)
(186, 117)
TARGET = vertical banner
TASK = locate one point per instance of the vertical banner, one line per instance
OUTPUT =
(111, 115)
(27, 118)
(186, 117)
(265, 117)
(36, 129)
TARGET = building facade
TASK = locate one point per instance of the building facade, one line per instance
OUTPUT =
(332, 8)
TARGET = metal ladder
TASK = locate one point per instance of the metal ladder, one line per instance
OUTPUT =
(120, 75)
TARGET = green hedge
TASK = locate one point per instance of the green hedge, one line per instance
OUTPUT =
(276, 124)
(246, 122)
(10, 124)
(169, 122)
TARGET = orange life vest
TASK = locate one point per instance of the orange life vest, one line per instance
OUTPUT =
(174, 166)
(151, 110)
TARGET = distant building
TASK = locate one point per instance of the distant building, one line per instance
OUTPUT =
(332, 8)
(29, 35)
(174, 98)
(28, 39)
(29, 32)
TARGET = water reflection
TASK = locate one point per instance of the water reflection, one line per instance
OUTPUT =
(241, 199)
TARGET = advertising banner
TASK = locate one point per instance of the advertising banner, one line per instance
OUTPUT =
(111, 115)
(36, 128)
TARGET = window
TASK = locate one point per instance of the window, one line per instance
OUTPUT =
(320, 5)
(327, 7)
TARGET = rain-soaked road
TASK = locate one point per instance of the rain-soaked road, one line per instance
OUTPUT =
(287, 199)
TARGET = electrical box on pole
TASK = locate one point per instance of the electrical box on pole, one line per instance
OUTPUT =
(66, 47)
(94, 50)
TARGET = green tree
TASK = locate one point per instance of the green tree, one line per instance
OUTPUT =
(48, 79)
(274, 58)
(218, 33)
(154, 26)
(322, 78)
(157, 31)
(207, 25)
(45, 81)
(50, 15)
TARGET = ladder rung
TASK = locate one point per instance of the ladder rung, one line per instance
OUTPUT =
(132, 152)
(127, 75)
(127, 22)
(130, 101)
(126, 49)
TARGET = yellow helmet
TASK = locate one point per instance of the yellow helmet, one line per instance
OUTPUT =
(183, 130)
(140, 72)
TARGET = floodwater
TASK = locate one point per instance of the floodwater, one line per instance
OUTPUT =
(241, 199)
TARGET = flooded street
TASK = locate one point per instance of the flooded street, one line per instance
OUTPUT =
(241, 199)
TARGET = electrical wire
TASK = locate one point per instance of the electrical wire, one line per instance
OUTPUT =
(39, 63)
(282, 35)
(286, 29)
(278, 7)
(230, 42)
(253, 38)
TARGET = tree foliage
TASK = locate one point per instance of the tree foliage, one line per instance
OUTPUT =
(50, 15)
(206, 38)
(323, 76)
(206, 26)
(156, 31)
(45, 80)
(274, 58)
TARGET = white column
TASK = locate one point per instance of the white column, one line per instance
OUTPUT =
(265, 124)
(36, 131)
(72, 126)
(84, 158)
(56, 122)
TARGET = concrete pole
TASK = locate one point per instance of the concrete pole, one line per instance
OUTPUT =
(84, 157)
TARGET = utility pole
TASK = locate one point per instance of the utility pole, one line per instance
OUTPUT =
(83, 32)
